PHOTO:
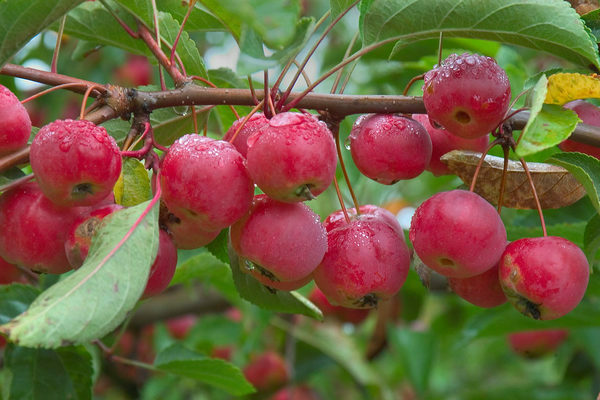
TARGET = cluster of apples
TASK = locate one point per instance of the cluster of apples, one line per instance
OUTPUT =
(47, 224)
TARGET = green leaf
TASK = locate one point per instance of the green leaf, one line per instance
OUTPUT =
(215, 372)
(591, 239)
(252, 57)
(169, 125)
(96, 298)
(133, 186)
(548, 128)
(218, 247)
(547, 25)
(14, 299)
(41, 374)
(199, 19)
(93, 23)
(592, 20)
(205, 267)
(339, 6)
(586, 170)
(22, 20)
(186, 48)
(267, 298)
(273, 20)
(416, 351)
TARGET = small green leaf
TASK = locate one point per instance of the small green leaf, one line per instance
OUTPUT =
(591, 239)
(252, 56)
(93, 23)
(133, 186)
(339, 6)
(592, 20)
(186, 48)
(218, 247)
(416, 351)
(546, 25)
(586, 170)
(41, 374)
(267, 298)
(22, 20)
(14, 299)
(215, 372)
(169, 125)
(548, 128)
(96, 298)
(205, 267)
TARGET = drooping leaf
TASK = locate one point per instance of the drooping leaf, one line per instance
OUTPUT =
(22, 20)
(170, 124)
(96, 298)
(252, 57)
(218, 247)
(339, 6)
(199, 19)
(205, 267)
(14, 299)
(591, 239)
(546, 25)
(592, 20)
(212, 371)
(549, 127)
(564, 87)
(586, 169)
(133, 186)
(273, 20)
(275, 300)
(555, 186)
(340, 348)
(93, 23)
(417, 351)
(186, 47)
(42, 374)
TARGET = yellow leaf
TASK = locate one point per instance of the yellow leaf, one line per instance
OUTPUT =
(565, 87)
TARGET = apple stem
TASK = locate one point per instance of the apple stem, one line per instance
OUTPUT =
(410, 83)
(246, 118)
(270, 107)
(85, 98)
(440, 48)
(63, 86)
(334, 126)
(339, 74)
(505, 149)
(252, 92)
(535, 195)
(341, 200)
(59, 35)
(480, 163)
(183, 22)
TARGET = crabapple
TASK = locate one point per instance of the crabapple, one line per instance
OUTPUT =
(206, 180)
(293, 158)
(442, 142)
(187, 233)
(343, 314)
(79, 237)
(389, 147)
(137, 71)
(366, 260)
(482, 290)
(544, 277)
(589, 114)
(163, 267)
(457, 234)
(537, 343)
(301, 392)
(267, 371)
(9, 273)
(34, 229)
(281, 243)
(15, 124)
(337, 218)
(467, 94)
(76, 163)
(254, 124)
(179, 327)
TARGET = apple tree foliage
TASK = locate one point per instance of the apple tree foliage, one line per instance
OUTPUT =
(429, 343)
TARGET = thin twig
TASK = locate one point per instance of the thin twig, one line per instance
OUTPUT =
(59, 36)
